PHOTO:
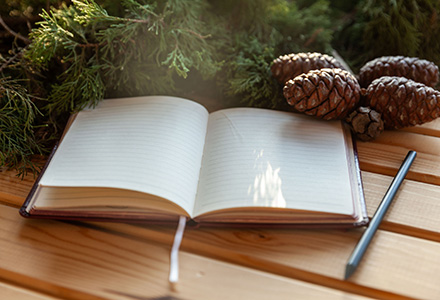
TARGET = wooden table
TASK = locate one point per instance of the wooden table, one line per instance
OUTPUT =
(53, 259)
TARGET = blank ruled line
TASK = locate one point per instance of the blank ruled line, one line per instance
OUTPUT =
(251, 157)
(277, 161)
(149, 144)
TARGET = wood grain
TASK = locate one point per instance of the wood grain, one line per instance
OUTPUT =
(315, 256)
(431, 128)
(385, 155)
(414, 211)
(8, 291)
(13, 189)
(123, 261)
(77, 262)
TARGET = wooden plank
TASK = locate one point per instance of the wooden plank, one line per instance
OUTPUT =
(410, 265)
(386, 154)
(408, 140)
(396, 266)
(414, 211)
(13, 189)
(431, 128)
(8, 291)
(78, 262)
(383, 156)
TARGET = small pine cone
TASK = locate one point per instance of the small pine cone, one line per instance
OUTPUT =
(327, 93)
(289, 66)
(419, 70)
(366, 123)
(403, 102)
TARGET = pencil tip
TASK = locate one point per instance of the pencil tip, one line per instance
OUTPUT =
(349, 270)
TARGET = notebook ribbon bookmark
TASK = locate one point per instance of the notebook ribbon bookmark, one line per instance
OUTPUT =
(174, 261)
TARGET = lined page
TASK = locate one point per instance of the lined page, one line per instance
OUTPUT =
(147, 144)
(265, 158)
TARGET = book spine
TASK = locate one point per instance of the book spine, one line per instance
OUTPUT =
(24, 208)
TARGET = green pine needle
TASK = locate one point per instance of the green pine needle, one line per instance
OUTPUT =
(81, 53)
(17, 139)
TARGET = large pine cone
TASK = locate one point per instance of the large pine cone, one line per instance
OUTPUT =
(403, 102)
(419, 70)
(327, 93)
(289, 66)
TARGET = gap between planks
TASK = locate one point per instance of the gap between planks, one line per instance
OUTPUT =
(12, 291)
(415, 208)
(386, 154)
(302, 259)
(379, 157)
(77, 262)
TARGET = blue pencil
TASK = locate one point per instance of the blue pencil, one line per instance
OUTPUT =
(365, 240)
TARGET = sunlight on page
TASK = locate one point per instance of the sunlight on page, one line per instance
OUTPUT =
(267, 185)
(264, 158)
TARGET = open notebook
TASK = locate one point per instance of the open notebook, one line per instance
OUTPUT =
(156, 158)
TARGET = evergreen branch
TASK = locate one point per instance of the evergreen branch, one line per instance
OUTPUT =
(81, 87)
(164, 47)
(17, 35)
(10, 60)
(202, 37)
(249, 77)
(399, 27)
(93, 13)
(17, 115)
(91, 45)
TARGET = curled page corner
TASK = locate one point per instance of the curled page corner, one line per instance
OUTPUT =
(174, 257)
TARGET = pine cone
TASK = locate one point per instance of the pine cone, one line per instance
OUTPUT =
(403, 102)
(366, 123)
(289, 66)
(419, 70)
(327, 93)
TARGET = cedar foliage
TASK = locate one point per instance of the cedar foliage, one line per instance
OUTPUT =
(81, 51)
(383, 27)
(17, 129)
